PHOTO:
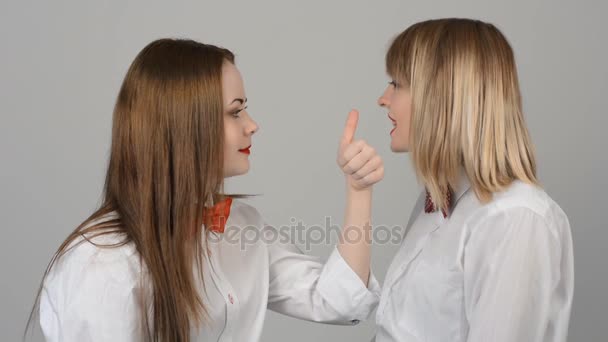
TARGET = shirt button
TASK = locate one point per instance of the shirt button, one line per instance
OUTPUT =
(230, 298)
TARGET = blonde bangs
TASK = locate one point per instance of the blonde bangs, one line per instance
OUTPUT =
(399, 55)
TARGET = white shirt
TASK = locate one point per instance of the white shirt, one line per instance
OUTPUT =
(497, 272)
(91, 294)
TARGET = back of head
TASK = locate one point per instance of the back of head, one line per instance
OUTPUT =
(466, 106)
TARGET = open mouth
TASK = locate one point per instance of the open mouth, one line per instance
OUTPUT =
(394, 123)
(246, 150)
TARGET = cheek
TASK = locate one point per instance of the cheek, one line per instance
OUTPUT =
(402, 111)
(229, 134)
(228, 150)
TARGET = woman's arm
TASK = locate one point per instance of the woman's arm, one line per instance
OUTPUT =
(342, 290)
(362, 168)
(518, 277)
(304, 287)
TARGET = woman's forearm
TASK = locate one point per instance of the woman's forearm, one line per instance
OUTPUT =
(355, 242)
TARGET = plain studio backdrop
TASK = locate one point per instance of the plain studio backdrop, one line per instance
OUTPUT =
(305, 65)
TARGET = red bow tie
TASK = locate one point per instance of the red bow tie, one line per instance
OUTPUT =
(218, 215)
(429, 206)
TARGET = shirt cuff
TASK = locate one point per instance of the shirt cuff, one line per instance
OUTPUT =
(342, 288)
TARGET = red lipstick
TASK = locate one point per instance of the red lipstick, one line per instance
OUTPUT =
(246, 150)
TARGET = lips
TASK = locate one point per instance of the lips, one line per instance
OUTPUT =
(246, 150)
(394, 123)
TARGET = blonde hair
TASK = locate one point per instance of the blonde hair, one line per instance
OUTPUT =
(466, 107)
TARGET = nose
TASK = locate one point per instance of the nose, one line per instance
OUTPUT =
(251, 127)
(383, 100)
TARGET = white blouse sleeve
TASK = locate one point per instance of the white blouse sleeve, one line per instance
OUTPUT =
(90, 298)
(518, 265)
(303, 287)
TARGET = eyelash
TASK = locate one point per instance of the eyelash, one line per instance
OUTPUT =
(236, 113)
(393, 83)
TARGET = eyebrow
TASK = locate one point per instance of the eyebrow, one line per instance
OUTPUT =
(239, 100)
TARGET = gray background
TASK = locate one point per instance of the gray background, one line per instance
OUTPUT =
(305, 65)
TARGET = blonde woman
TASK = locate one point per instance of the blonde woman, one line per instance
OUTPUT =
(488, 254)
(155, 262)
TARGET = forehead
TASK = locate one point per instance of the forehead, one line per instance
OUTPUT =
(232, 82)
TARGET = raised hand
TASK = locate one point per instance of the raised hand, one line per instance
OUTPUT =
(359, 161)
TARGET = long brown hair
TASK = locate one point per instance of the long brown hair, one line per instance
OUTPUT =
(166, 161)
(466, 106)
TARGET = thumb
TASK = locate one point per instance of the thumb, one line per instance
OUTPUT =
(350, 128)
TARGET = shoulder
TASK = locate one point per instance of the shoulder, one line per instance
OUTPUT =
(92, 291)
(91, 269)
(242, 207)
(244, 214)
(522, 195)
(253, 230)
(520, 205)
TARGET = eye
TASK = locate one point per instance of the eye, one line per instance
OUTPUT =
(236, 113)
(393, 83)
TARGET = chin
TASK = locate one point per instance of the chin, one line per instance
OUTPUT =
(237, 171)
(399, 149)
